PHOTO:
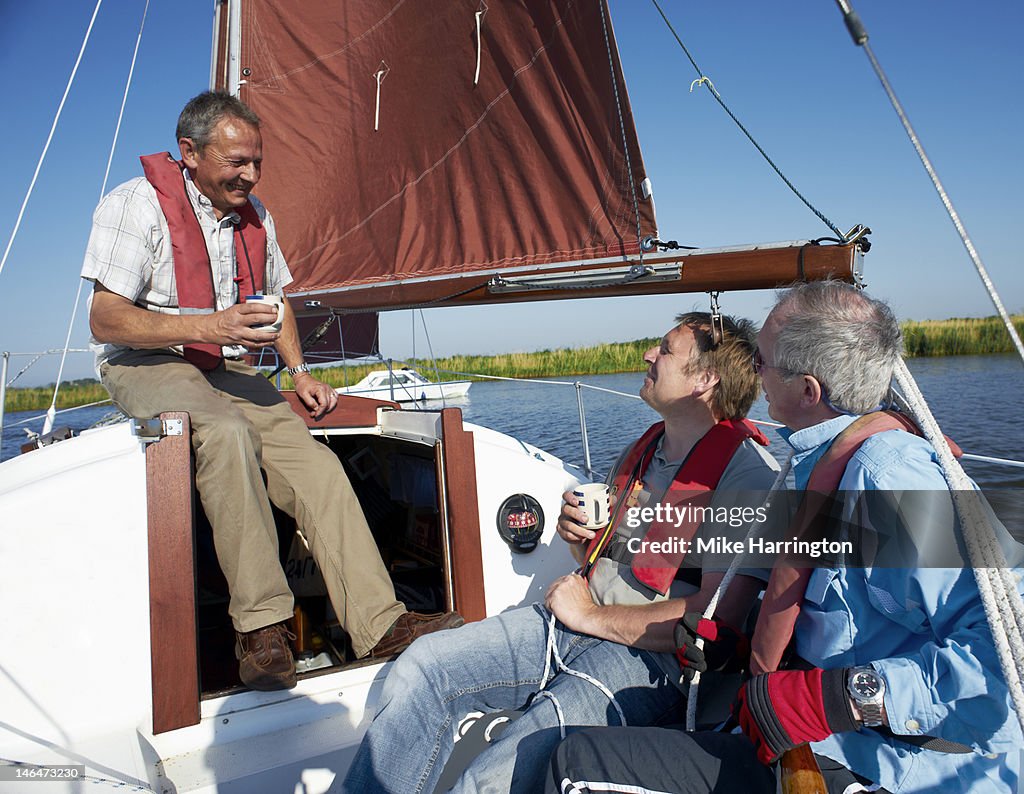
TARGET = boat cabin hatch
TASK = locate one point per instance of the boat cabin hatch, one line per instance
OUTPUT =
(427, 533)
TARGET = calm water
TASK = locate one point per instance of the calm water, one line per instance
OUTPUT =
(972, 397)
(977, 400)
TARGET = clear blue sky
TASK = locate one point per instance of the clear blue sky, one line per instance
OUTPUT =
(787, 69)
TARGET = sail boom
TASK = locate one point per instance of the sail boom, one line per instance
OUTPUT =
(765, 266)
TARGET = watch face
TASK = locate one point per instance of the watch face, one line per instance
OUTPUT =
(865, 684)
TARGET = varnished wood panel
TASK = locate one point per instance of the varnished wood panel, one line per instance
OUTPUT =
(459, 462)
(172, 605)
(350, 411)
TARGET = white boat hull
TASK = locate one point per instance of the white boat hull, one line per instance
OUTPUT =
(75, 675)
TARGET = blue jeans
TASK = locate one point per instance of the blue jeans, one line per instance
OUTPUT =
(498, 664)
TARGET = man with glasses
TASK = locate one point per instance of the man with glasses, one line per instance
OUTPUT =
(893, 678)
(600, 650)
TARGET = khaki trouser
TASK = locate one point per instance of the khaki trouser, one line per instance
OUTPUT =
(242, 428)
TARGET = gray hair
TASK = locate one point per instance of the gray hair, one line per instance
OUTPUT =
(850, 342)
(203, 112)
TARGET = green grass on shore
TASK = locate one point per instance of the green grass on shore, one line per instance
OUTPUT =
(954, 337)
(959, 336)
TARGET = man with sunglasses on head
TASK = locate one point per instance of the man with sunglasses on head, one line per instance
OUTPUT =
(892, 676)
(601, 649)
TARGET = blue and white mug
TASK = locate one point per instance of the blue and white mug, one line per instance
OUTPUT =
(592, 497)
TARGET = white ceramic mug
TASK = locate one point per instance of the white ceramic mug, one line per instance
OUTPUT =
(271, 300)
(593, 498)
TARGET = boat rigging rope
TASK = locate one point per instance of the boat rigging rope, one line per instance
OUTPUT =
(552, 653)
(51, 412)
(49, 138)
(996, 582)
(704, 81)
(430, 352)
(860, 38)
(622, 129)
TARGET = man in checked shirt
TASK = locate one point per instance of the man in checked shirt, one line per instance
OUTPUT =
(172, 256)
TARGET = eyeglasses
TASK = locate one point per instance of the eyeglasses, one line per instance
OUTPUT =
(758, 363)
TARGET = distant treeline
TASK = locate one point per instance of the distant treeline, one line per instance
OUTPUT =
(954, 337)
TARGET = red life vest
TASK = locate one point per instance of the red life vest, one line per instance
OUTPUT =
(784, 593)
(193, 274)
(691, 487)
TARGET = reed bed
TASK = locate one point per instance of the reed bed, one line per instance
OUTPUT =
(37, 398)
(953, 337)
(959, 336)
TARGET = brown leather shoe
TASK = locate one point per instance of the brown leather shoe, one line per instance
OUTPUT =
(410, 626)
(265, 659)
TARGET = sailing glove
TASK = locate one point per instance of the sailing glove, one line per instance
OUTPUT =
(725, 649)
(780, 710)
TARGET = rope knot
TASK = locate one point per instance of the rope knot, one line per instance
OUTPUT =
(703, 80)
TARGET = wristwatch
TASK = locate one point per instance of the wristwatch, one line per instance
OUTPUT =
(293, 371)
(867, 688)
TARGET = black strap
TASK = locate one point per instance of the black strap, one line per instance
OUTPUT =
(926, 742)
(618, 550)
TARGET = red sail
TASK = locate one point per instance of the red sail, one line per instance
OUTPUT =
(526, 167)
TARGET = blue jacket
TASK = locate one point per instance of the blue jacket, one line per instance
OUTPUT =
(923, 629)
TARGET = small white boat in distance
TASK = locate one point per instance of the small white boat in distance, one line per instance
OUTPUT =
(405, 385)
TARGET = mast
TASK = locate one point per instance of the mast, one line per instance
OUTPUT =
(234, 46)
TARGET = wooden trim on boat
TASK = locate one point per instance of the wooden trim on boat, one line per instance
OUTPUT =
(350, 411)
(755, 267)
(172, 597)
(459, 461)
